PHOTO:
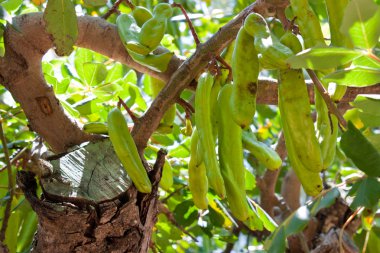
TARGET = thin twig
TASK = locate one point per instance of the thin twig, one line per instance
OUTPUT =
(115, 8)
(325, 95)
(18, 156)
(163, 209)
(172, 193)
(134, 118)
(352, 216)
(191, 27)
(7, 211)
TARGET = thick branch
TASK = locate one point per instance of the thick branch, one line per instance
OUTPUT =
(267, 92)
(267, 184)
(20, 73)
(189, 71)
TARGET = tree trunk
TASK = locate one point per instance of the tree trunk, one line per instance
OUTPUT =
(77, 224)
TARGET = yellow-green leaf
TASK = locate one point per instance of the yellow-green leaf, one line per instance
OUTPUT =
(62, 25)
(355, 77)
(361, 22)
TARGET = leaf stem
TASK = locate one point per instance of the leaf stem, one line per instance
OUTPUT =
(373, 56)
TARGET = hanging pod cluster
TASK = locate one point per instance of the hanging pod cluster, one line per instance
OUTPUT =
(304, 151)
(142, 32)
(216, 126)
(224, 112)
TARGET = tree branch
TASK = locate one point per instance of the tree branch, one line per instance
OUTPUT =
(267, 184)
(20, 73)
(26, 42)
(189, 71)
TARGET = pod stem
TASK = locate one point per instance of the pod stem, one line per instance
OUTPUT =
(227, 66)
(189, 109)
(326, 97)
(115, 8)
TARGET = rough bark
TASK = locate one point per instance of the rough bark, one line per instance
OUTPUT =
(123, 224)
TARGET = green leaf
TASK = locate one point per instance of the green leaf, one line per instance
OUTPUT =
(95, 3)
(254, 222)
(94, 73)
(366, 61)
(268, 222)
(61, 23)
(325, 201)
(107, 91)
(47, 68)
(277, 242)
(28, 219)
(361, 22)
(52, 81)
(369, 112)
(375, 140)
(12, 229)
(373, 245)
(368, 103)
(323, 57)
(82, 56)
(131, 92)
(297, 221)
(58, 87)
(62, 86)
(11, 5)
(65, 71)
(69, 108)
(250, 181)
(182, 150)
(216, 218)
(266, 111)
(115, 73)
(355, 77)
(368, 194)
(162, 139)
(185, 213)
(86, 106)
(361, 151)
